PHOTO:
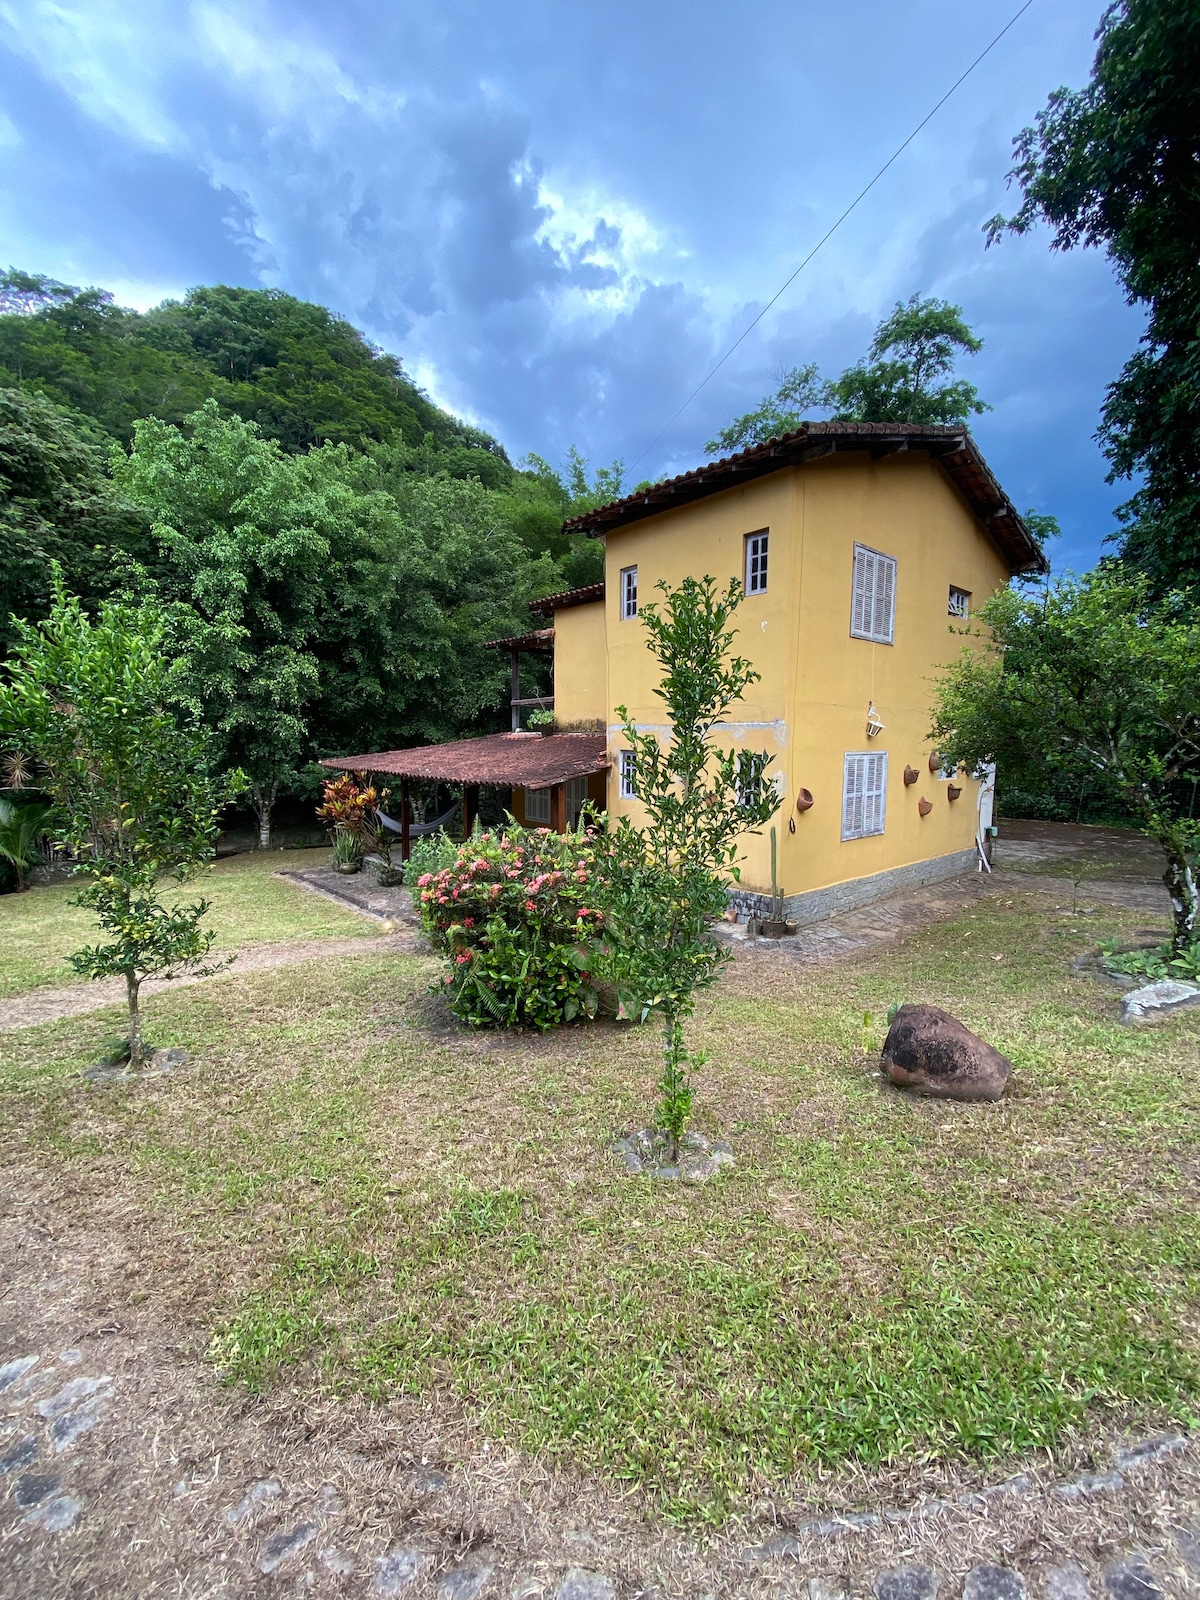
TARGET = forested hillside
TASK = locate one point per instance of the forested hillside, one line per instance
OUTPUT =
(333, 549)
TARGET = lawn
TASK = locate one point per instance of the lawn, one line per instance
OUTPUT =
(250, 905)
(353, 1195)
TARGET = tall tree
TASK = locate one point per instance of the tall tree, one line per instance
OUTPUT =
(1116, 165)
(801, 391)
(1090, 683)
(246, 568)
(906, 376)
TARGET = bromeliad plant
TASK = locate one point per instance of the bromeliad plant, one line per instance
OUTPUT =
(664, 883)
(516, 915)
(133, 797)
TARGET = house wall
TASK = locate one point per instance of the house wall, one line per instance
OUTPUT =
(579, 672)
(810, 707)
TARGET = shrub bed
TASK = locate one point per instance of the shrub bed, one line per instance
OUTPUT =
(515, 914)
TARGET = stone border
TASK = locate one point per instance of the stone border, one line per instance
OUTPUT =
(818, 904)
(1144, 1453)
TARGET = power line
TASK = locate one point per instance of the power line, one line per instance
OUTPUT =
(861, 195)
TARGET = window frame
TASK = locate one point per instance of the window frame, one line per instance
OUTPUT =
(532, 815)
(575, 797)
(871, 760)
(627, 614)
(760, 537)
(965, 613)
(880, 563)
(625, 786)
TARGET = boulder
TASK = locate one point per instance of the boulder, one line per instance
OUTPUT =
(930, 1051)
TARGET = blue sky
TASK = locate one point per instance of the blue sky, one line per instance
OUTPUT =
(560, 212)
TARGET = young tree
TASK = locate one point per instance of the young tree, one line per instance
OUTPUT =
(1088, 682)
(1115, 165)
(133, 796)
(666, 880)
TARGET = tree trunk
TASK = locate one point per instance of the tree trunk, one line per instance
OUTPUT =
(137, 1053)
(263, 795)
(1180, 879)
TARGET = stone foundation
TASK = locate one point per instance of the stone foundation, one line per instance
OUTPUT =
(838, 898)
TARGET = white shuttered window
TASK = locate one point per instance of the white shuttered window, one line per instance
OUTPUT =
(864, 795)
(873, 611)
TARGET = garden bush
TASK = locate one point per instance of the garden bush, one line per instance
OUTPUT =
(515, 915)
(428, 855)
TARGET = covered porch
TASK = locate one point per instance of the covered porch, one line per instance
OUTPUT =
(532, 762)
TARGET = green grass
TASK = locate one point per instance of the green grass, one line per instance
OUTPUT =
(357, 1198)
(250, 905)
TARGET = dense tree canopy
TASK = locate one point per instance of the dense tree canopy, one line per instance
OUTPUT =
(1117, 165)
(1090, 683)
(56, 504)
(330, 549)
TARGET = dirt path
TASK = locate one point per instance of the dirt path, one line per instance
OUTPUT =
(48, 1005)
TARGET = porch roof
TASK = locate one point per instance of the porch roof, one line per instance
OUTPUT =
(505, 760)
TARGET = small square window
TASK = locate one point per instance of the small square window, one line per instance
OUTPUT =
(756, 562)
(628, 787)
(628, 593)
(873, 603)
(537, 806)
(960, 603)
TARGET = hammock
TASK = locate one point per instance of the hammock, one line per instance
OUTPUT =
(418, 830)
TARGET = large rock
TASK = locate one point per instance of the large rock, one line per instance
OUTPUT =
(1155, 1000)
(931, 1052)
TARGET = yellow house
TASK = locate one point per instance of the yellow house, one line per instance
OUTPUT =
(862, 548)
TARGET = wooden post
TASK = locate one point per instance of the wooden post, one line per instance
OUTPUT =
(470, 808)
(516, 690)
(405, 821)
(558, 807)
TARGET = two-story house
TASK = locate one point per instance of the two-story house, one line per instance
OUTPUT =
(862, 548)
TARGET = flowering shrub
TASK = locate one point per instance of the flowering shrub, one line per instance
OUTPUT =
(515, 916)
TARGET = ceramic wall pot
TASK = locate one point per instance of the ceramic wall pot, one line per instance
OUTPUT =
(804, 800)
(924, 806)
(953, 790)
(910, 776)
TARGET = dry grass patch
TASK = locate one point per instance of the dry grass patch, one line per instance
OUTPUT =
(367, 1199)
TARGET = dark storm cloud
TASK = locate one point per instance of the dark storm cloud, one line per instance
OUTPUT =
(560, 216)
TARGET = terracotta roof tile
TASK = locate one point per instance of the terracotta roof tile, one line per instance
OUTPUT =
(551, 603)
(952, 447)
(507, 760)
